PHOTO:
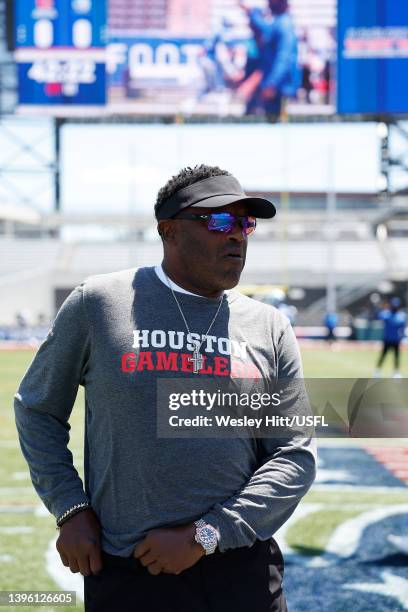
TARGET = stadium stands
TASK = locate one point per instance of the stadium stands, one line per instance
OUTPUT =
(359, 266)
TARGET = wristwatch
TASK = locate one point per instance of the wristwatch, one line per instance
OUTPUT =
(206, 535)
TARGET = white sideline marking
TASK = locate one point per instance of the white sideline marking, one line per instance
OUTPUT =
(6, 558)
(300, 512)
(12, 490)
(17, 509)
(392, 586)
(9, 444)
(12, 530)
(346, 538)
(20, 476)
(62, 575)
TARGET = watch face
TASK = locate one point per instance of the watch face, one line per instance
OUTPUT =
(207, 536)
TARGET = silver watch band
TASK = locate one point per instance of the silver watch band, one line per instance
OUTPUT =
(200, 523)
(208, 548)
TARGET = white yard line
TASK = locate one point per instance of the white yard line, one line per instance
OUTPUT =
(14, 530)
(9, 444)
(15, 490)
(20, 476)
(17, 509)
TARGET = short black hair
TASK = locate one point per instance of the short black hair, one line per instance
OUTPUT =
(186, 176)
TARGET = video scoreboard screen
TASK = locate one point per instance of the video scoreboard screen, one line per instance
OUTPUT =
(60, 49)
(372, 65)
(212, 58)
(153, 57)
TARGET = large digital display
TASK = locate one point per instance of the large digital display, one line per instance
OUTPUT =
(372, 56)
(218, 58)
(221, 57)
(60, 52)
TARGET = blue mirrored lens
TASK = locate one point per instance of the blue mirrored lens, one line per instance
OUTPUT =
(225, 222)
(222, 222)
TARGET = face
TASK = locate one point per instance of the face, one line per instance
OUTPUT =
(207, 261)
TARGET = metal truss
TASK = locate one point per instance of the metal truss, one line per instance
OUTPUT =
(28, 168)
(389, 162)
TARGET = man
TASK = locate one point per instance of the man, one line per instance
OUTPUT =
(180, 523)
(330, 320)
(395, 321)
(278, 73)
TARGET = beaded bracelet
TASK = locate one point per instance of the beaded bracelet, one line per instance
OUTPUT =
(71, 512)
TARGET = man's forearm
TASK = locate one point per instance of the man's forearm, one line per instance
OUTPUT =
(43, 441)
(266, 502)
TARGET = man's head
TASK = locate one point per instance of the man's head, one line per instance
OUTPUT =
(200, 259)
(395, 304)
(278, 7)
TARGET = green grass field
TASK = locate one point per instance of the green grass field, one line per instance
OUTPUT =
(347, 362)
(22, 554)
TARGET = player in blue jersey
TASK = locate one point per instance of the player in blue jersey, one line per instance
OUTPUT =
(395, 321)
(330, 320)
(276, 64)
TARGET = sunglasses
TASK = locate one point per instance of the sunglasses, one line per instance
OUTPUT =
(223, 221)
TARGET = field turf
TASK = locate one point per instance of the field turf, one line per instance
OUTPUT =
(353, 483)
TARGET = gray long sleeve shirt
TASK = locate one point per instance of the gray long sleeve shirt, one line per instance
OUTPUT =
(117, 334)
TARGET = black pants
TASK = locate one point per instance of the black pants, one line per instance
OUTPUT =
(240, 580)
(387, 346)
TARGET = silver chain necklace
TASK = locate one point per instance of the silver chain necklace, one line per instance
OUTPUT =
(197, 359)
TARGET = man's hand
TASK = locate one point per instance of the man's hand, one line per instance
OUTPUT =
(169, 550)
(79, 543)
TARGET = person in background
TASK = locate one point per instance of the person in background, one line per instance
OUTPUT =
(278, 75)
(395, 321)
(330, 321)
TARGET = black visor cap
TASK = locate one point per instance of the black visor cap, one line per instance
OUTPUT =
(215, 192)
